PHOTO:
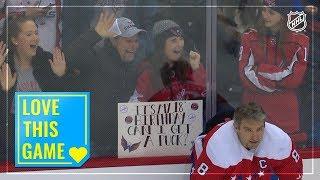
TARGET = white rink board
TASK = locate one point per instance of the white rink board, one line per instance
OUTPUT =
(134, 169)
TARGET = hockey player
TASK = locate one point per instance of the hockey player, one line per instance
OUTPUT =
(247, 148)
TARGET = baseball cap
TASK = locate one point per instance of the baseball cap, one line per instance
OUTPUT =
(124, 27)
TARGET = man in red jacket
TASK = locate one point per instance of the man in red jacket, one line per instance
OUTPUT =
(247, 148)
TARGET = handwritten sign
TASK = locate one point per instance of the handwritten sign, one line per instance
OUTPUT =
(166, 128)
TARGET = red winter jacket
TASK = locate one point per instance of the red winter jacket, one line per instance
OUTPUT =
(270, 80)
(193, 88)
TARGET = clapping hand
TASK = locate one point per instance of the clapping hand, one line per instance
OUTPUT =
(5, 71)
(7, 79)
(58, 62)
(3, 53)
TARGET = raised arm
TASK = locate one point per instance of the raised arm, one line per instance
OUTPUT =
(81, 50)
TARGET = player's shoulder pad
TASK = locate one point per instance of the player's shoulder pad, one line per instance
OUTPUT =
(223, 147)
(198, 145)
(276, 144)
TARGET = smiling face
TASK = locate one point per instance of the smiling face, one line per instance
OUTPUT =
(127, 47)
(250, 132)
(27, 39)
(173, 48)
(271, 18)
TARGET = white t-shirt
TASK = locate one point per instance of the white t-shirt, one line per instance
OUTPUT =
(26, 82)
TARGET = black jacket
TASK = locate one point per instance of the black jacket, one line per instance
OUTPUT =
(47, 81)
(110, 81)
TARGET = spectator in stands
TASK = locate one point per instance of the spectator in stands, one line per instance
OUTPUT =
(47, 15)
(246, 14)
(29, 68)
(272, 65)
(170, 74)
(88, 11)
(109, 73)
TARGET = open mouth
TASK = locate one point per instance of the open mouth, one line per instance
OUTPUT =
(33, 46)
(130, 51)
(177, 52)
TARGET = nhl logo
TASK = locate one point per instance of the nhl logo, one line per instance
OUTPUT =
(297, 21)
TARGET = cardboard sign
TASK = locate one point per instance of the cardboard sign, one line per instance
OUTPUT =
(166, 128)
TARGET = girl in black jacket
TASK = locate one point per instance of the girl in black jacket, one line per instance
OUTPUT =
(28, 68)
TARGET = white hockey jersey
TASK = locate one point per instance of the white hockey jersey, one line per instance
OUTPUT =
(220, 155)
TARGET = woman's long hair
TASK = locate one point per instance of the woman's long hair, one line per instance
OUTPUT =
(12, 30)
(163, 71)
(14, 25)
(264, 31)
